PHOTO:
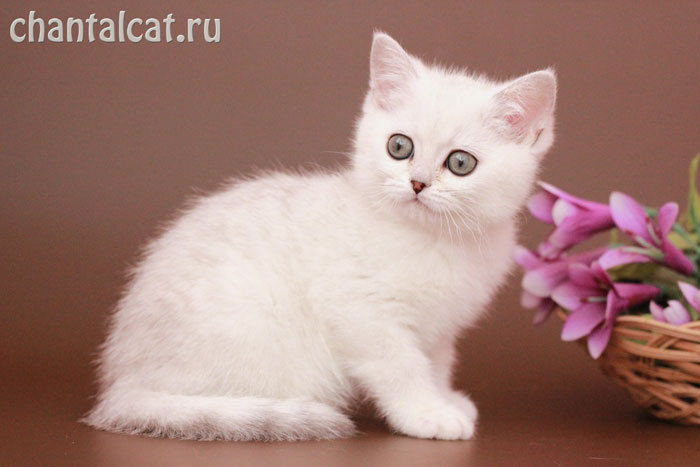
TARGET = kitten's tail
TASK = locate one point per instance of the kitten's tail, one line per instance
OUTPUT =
(217, 417)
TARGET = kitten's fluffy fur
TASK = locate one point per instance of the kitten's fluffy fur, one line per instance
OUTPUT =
(269, 307)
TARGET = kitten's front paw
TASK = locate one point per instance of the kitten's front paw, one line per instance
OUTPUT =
(465, 404)
(436, 422)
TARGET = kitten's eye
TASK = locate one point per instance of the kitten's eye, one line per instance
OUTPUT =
(400, 146)
(461, 163)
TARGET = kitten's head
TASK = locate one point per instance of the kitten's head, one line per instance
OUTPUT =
(441, 147)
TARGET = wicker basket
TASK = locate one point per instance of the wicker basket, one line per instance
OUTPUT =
(658, 364)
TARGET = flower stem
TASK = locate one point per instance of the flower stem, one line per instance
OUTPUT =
(693, 313)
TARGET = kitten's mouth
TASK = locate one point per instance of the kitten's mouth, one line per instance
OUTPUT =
(419, 204)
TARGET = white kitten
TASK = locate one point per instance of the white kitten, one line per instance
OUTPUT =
(266, 309)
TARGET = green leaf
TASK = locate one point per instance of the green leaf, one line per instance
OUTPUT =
(633, 272)
(650, 273)
(693, 312)
(692, 215)
(684, 243)
(614, 236)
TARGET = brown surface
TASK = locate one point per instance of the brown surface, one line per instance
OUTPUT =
(101, 142)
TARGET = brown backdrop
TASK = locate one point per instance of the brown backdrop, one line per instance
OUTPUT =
(101, 142)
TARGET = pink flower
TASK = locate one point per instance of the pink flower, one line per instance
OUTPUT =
(632, 219)
(543, 306)
(576, 219)
(691, 293)
(536, 293)
(542, 276)
(595, 300)
(674, 313)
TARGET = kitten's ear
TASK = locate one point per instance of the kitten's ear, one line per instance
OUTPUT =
(390, 70)
(524, 108)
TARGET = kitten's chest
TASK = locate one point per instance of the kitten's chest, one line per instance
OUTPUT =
(430, 275)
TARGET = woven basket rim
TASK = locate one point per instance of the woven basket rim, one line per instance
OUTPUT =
(689, 330)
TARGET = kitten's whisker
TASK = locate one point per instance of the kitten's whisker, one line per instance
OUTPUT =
(342, 153)
(452, 220)
(468, 220)
(449, 227)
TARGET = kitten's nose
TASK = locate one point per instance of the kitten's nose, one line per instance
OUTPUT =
(417, 186)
